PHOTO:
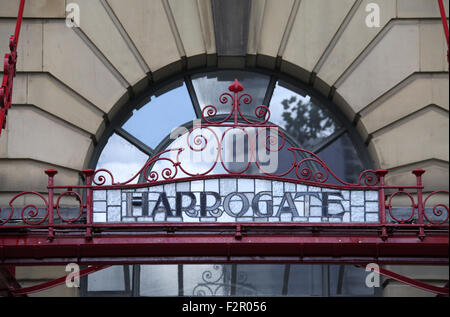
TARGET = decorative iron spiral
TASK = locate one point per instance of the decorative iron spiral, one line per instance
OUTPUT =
(306, 173)
(370, 178)
(100, 180)
(210, 111)
(247, 99)
(261, 111)
(438, 209)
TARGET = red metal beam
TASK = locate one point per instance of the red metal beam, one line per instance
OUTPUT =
(196, 248)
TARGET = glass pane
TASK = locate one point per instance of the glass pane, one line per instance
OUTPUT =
(342, 158)
(206, 280)
(352, 281)
(303, 119)
(109, 279)
(122, 159)
(210, 86)
(237, 280)
(235, 153)
(159, 280)
(305, 280)
(153, 122)
(259, 280)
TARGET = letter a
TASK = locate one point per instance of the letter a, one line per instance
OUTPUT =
(373, 278)
(373, 18)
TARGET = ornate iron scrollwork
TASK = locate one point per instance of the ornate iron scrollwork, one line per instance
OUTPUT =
(218, 280)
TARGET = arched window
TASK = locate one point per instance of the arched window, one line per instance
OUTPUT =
(308, 121)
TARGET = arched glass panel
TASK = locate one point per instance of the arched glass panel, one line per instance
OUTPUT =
(209, 86)
(121, 158)
(307, 122)
(342, 158)
(157, 118)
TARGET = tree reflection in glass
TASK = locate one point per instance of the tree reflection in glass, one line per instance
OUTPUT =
(303, 120)
(306, 122)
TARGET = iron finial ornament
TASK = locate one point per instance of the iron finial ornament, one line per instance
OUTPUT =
(236, 86)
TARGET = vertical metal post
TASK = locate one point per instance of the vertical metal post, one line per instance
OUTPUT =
(236, 87)
(340, 282)
(180, 280)
(89, 214)
(381, 174)
(420, 208)
(126, 279)
(287, 272)
(325, 280)
(235, 106)
(136, 289)
(50, 208)
(233, 279)
(444, 23)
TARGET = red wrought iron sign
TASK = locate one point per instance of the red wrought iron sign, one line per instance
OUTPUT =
(9, 70)
(174, 191)
(201, 200)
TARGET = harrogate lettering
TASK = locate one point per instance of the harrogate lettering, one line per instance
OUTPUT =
(212, 204)
(230, 200)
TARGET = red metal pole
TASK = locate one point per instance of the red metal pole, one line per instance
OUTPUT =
(414, 283)
(444, 23)
(9, 71)
(51, 175)
(444, 18)
(19, 20)
(381, 202)
(420, 207)
(89, 214)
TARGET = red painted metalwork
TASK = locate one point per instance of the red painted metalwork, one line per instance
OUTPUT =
(9, 72)
(40, 239)
(53, 283)
(89, 214)
(444, 23)
(206, 246)
(412, 282)
(8, 282)
(306, 168)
